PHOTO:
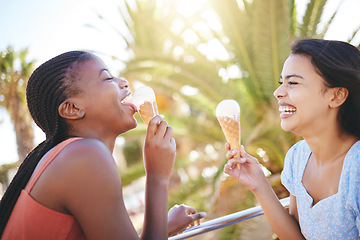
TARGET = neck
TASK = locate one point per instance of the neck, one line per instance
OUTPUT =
(331, 146)
(109, 141)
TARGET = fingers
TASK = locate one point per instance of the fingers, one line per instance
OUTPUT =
(233, 163)
(190, 210)
(231, 153)
(243, 153)
(168, 131)
(160, 127)
(154, 123)
(173, 143)
(197, 216)
(227, 146)
(193, 214)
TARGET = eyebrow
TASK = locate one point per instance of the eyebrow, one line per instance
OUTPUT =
(290, 76)
(102, 70)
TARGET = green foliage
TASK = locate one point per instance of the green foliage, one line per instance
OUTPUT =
(195, 191)
(132, 152)
(4, 169)
(15, 70)
(134, 172)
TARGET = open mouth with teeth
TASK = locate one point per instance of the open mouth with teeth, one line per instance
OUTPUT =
(128, 98)
(127, 102)
(287, 110)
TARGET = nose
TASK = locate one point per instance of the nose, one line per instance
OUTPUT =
(280, 92)
(123, 83)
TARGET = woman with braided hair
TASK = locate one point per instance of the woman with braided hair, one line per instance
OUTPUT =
(68, 187)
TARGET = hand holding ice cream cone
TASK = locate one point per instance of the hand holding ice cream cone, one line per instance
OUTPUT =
(228, 115)
(145, 101)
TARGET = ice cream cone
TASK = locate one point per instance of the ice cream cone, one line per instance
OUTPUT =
(228, 115)
(231, 130)
(148, 110)
(145, 101)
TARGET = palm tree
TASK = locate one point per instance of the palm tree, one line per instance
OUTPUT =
(257, 37)
(15, 71)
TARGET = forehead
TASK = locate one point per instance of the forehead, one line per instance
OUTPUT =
(90, 68)
(298, 62)
(93, 63)
(301, 65)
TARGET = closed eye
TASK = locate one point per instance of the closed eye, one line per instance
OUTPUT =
(292, 83)
(289, 82)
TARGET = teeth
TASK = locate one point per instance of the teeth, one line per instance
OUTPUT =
(287, 109)
(128, 98)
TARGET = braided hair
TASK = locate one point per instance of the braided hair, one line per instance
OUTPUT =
(49, 85)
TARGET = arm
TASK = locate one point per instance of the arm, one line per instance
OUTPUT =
(89, 188)
(159, 157)
(251, 175)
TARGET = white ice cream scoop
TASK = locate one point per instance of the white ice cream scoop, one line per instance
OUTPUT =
(228, 108)
(145, 101)
(228, 115)
(143, 94)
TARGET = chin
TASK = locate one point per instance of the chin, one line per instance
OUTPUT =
(133, 124)
(128, 127)
(286, 127)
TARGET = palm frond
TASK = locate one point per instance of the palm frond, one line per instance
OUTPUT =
(271, 21)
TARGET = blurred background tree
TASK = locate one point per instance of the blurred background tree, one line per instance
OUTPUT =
(15, 71)
(194, 54)
(194, 59)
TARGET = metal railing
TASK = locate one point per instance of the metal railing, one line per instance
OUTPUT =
(224, 221)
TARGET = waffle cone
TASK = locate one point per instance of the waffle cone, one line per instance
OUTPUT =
(148, 110)
(231, 130)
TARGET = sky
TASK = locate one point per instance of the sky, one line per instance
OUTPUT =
(50, 27)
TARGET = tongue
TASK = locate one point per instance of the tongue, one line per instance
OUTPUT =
(131, 105)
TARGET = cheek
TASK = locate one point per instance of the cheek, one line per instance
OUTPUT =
(108, 94)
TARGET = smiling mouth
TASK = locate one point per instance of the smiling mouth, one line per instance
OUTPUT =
(287, 110)
(128, 98)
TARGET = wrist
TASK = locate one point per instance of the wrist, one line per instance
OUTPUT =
(157, 180)
(261, 188)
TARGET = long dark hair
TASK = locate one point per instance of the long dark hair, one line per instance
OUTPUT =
(339, 64)
(49, 85)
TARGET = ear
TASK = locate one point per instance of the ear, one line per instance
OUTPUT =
(339, 96)
(70, 110)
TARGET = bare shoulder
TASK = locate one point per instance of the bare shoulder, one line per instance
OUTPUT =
(86, 150)
(82, 171)
(86, 158)
(88, 186)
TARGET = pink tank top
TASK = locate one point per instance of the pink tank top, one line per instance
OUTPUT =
(31, 220)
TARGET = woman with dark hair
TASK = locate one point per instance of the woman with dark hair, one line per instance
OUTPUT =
(319, 99)
(68, 187)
